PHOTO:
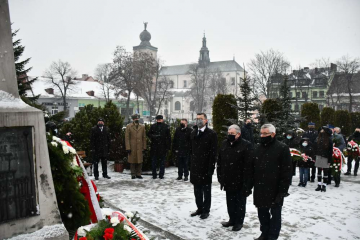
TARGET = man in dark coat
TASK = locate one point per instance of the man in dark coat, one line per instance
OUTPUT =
(231, 170)
(356, 138)
(292, 141)
(203, 159)
(311, 134)
(270, 174)
(181, 148)
(100, 146)
(160, 137)
(247, 132)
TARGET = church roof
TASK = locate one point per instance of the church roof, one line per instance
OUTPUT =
(223, 66)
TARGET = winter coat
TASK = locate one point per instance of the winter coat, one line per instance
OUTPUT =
(338, 140)
(355, 137)
(247, 134)
(181, 143)
(203, 156)
(270, 173)
(309, 151)
(311, 134)
(135, 140)
(100, 142)
(232, 164)
(294, 142)
(160, 137)
(320, 150)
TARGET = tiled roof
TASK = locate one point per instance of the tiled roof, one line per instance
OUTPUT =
(339, 84)
(223, 66)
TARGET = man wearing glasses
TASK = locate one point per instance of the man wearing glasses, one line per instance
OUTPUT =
(270, 175)
(203, 159)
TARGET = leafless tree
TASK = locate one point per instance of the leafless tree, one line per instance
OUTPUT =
(321, 63)
(62, 77)
(348, 66)
(200, 82)
(102, 74)
(163, 91)
(263, 67)
(122, 76)
(217, 83)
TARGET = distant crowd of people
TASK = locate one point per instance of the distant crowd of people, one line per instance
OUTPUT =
(243, 167)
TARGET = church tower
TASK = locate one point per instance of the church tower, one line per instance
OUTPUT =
(204, 58)
(145, 45)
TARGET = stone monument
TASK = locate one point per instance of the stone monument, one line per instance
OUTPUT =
(28, 205)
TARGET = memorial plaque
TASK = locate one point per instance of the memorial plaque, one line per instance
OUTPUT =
(18, 197)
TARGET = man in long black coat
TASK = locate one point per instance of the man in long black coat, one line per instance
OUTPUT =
(100, 146)
(270, 175)
(231, 170)
(356, 138)
(203, 159)
(247, 132)
(181, 149)
(311, 134)
(292, 141)
(160, 137)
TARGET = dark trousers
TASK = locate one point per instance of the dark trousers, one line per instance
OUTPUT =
(103, 166)
(349, 164)
(304, 175)
(135, 169)
(162, 165)
(236, 206)
(270, 225)
(325, 176)
(293, 170)
(337, 178)
(203, 197)
(313, 173)
(182, 162)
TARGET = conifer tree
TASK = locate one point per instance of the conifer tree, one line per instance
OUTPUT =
(246, 101)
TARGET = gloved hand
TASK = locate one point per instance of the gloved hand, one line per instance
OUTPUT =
(144, 151)
(221, 187)
(128, 151)
(246, 193)
(279, 197)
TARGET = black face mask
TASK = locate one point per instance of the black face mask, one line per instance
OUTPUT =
(356, 134)
(182, 125)
(231, 138)
(158, 123)
(265, 140)
(136, 121)
(100, 125)
(248, 124)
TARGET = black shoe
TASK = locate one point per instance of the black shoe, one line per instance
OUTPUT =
(133, 177)
(227, 224)
(318, 188)
(347, 173)
(197, 212)
(204, 215)
(303, 185)
(323, 189)
(179, 178)
(312, 180)
(162, 177)
(262, 237)
(355, 174)
(154, 177)
(139, 177)
(107, 177)
(186, 179)
(237, 227)
(96, 178)
(300, 184)
(337, 185)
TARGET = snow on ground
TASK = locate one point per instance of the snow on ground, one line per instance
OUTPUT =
(167, 203)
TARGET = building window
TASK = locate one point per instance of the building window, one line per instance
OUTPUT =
(298, 94)
(54, 110)
(171, 84)
(321, 107)
(296, 107)
(290, 94)
(177, 106)
(192, 106)
(321, 93)
(315, 94)
(185, 84)
(304, 95)
(232, 81)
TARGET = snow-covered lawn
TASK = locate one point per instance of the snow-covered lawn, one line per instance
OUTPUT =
(167, 203)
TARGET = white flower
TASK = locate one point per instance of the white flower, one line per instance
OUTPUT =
(81, 232)
(115, 221)
(105, 211)
(127, 228)
(55, 138)
(65, 149)
(72, 150)
(129, 214)
(338, 164)
(336, 170)
(64, 143)
(54, 144)
(330, 166)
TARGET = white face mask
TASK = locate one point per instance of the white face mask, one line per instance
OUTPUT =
(304, 144)
(288, 137)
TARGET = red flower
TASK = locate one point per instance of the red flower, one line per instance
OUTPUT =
(83, 238)
(109, 230)
(108, 234)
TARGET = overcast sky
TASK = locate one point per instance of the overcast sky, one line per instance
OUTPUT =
(86, 32)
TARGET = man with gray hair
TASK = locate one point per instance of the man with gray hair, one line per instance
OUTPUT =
(234, 156)
(270, 175)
